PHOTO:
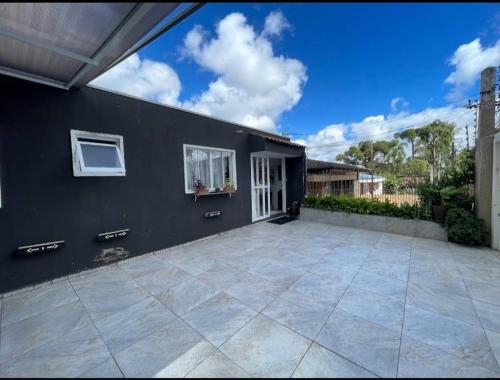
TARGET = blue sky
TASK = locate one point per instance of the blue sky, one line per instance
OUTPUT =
(335, 68)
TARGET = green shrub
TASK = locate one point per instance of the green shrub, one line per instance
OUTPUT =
(349, 204)
(391, 185)
(464, 227)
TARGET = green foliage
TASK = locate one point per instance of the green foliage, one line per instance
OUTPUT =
(391, 185)
(429, 193)
(464, 227)
(453, 196)
(349, 204)
(416, 167)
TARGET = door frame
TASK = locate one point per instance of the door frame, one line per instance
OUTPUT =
(495, 187)
(267, 156)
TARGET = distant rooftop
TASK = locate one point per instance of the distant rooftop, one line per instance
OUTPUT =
(317, 164)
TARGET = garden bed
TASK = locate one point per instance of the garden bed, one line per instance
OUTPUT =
(395, 225)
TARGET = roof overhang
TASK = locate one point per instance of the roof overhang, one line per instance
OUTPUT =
(273, 145)
(69, 44)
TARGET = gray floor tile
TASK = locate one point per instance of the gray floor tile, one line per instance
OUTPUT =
(20, 337)
(438, 281)
(340, 273)
(130, 325)
(494, 339)
(107, 369)
(320, 362)
(255, 291)
(264, 348)
(142, 266)
(449, 305)
(453, 336)
(28, 304)
(383, 285)
(187, 361)
(222, 276)
(365, 343)
(107, 292)
(185, 296)
(320, 288)
(157, 281)
(489, 315)
(383, 268)
(278, 274)
(218, 318)
(67, 356)
(421, 360)
(217, 365)
(385, 311)
(483, 291)
(299, 312)
(152, 355)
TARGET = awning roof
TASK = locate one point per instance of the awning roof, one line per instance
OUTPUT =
(69, 44)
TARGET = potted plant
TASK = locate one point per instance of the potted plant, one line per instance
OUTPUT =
(229, 186)
(199, 187)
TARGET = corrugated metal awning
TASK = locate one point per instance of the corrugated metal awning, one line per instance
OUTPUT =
(69, 44)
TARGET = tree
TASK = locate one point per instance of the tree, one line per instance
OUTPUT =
(353, 156)
(437, 138)
(411, 136)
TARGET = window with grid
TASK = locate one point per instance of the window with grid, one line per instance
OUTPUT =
(213, 167)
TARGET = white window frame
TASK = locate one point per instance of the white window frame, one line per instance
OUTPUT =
(208, 148)
(79, 167)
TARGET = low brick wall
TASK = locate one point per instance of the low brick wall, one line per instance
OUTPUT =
(409, 227)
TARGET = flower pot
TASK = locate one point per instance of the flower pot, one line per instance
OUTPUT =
(438, 213)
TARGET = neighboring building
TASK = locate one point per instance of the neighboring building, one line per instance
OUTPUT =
(106, 176)
(325, 177)
(369, 184)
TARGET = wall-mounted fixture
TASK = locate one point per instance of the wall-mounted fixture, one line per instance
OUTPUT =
(40, 248)
(112, 235)
(213, 214)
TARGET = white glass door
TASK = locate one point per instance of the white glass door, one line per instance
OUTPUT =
(261, 188)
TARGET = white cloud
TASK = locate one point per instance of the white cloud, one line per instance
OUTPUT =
(336, 138)
(275, 24)
(469, 60)
(398, 102)
(253, 85)
(143, 78)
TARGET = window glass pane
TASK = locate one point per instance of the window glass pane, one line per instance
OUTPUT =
(217, 174)
(198, 167)
(100, 156)
(228, 167)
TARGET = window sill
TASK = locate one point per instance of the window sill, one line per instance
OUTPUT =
(198, 195)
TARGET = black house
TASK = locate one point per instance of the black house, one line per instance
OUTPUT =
(88, 175)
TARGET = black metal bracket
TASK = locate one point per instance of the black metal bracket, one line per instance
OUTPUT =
(112, 235)
(40, 248)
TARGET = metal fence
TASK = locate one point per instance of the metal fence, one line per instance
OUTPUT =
(359, 182)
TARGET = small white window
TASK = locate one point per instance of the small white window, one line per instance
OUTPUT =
(97, 154)
(214, 168)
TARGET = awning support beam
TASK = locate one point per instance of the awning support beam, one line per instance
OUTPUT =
(32, 77)
(54, 49)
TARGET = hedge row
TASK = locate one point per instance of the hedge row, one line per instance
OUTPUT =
(350, 204)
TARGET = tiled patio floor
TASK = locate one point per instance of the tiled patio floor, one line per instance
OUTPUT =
(301, 299)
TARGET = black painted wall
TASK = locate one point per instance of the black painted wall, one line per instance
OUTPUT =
(42, 201)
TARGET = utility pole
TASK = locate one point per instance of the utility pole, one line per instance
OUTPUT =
(484, 147)
(467, 135)
(475, 106)
(371, 154)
